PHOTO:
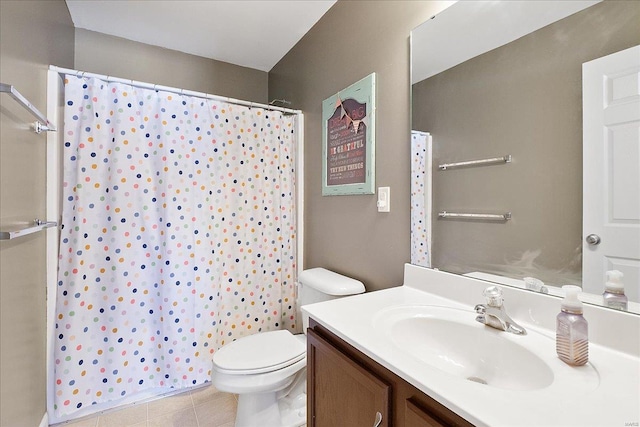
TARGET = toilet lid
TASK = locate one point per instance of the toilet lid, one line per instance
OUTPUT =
(261, 352)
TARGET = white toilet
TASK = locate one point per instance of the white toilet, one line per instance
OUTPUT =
(267, 369)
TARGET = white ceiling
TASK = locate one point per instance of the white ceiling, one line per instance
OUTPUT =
(251, 33)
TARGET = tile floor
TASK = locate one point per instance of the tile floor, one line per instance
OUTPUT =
(204, 407)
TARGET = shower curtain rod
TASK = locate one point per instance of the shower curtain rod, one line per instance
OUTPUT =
(179, 91)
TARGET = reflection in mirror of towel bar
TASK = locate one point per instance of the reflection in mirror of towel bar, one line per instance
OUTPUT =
(19, 232)
(43, 124)
(491, 217)
(492, 161)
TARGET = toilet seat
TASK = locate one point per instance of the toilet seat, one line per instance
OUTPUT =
(260, 353)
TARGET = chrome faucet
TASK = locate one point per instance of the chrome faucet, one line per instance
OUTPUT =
(493, 313)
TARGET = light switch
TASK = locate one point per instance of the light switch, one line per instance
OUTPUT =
(384, 199)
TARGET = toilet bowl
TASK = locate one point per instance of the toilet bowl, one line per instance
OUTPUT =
(267, 370)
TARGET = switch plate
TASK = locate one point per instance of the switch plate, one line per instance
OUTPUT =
(384, 199)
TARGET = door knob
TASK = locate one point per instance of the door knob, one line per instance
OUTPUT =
(593, 239)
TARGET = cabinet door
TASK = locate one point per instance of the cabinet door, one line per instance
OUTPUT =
(416, 416)
(341, 392)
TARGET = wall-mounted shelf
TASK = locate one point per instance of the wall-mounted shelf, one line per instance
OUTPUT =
(480, 217)
(483, 162)
(22, 230)
(43, 124)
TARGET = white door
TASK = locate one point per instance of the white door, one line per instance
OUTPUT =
(611, 170)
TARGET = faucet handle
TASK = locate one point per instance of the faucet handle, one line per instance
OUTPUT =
(494, 296)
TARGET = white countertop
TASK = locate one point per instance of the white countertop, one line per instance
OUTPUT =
(606, 392)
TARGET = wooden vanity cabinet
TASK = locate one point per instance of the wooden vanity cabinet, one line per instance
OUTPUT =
(346, 388)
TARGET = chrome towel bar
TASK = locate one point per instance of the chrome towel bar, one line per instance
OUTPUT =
(483, 162)
(43, 124)
(38, 225)
(490, 217)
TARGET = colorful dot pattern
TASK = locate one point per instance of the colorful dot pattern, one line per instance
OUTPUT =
(178, 236)
(419, 247)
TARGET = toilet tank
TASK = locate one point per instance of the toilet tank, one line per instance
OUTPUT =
(320, 284)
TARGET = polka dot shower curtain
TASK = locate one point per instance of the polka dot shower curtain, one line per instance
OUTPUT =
(178, 236)
(420, 193)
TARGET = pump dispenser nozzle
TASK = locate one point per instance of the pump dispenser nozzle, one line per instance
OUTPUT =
(571, 303)
(614, 281)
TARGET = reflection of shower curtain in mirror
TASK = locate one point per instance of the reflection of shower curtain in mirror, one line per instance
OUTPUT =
(420, 198)
(178, 237)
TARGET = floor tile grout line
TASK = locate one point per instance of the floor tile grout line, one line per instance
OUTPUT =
(193, 405)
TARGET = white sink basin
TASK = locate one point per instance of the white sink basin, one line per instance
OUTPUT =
(452, 341)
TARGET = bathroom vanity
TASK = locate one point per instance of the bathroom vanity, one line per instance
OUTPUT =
(414, 355)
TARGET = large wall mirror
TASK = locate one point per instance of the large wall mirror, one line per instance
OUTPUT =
(501, 82)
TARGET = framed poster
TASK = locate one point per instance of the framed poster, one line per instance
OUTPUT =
(348, 140)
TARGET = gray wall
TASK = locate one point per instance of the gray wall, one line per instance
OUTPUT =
(352, 40)
(523, 99)
(33, 34)
(115, 56)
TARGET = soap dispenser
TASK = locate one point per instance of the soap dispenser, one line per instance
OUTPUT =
(613, 295)
(572, 338)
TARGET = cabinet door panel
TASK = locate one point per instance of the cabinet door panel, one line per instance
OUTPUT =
(340, 391)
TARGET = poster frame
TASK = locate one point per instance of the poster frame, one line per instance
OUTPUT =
(363, 92)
